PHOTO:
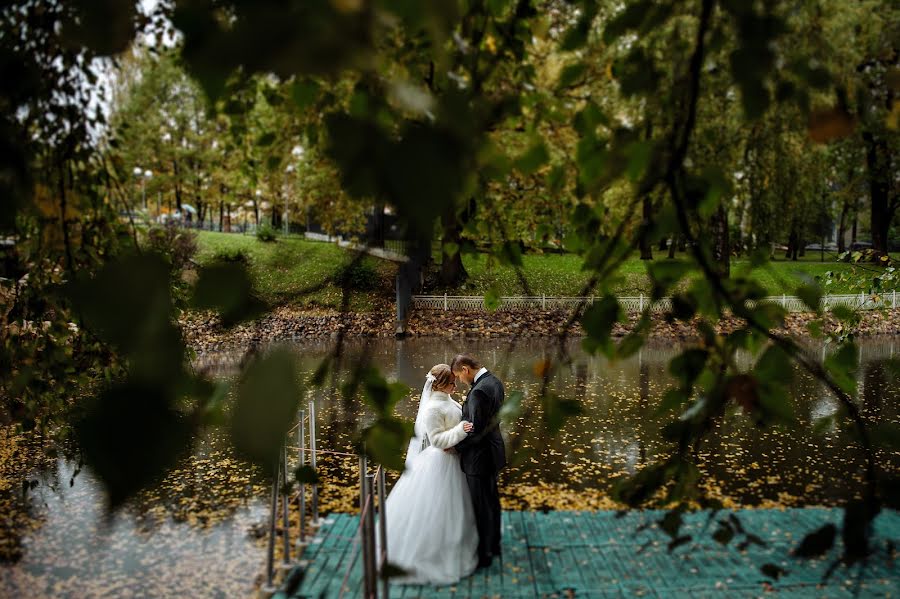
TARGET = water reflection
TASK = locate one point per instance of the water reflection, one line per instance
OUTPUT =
(619, 431)
(192, 534)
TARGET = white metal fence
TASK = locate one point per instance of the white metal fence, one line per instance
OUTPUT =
(639, 303)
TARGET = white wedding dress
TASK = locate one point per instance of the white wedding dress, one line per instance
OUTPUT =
(430, 521)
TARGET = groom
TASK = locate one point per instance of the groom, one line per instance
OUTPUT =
(482, 454)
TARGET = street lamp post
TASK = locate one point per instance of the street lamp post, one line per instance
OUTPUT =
(144, 176)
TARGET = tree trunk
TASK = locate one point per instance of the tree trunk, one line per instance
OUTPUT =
(672, 248)
(842, 226)
(176, 173)
(877, 162)
(646, 224)
(663, 244)
(721, 247)
(452, 270)
(221, 215)
(378, 227)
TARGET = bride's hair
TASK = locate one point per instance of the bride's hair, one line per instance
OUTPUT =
(443, 376)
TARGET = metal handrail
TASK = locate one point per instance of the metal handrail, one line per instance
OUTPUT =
(370, 487)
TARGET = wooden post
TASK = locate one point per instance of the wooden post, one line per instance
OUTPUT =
(445, 302)
(642, 303)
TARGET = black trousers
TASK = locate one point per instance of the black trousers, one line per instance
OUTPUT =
(486, 501)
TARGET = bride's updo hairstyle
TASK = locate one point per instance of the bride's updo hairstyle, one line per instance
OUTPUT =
(443, 376)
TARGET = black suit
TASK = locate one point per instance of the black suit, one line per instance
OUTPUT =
(482, 455)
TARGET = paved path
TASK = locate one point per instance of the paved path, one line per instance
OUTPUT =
(596, 554)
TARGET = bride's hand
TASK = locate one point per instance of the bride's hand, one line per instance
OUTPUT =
(450, 450)
(468, 426)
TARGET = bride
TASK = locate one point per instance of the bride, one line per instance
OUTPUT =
(430, 521)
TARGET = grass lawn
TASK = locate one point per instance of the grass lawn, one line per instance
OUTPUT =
(284, 269)
(561, 274)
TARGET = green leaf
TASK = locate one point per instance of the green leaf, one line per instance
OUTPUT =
(817, 542)
(842, 366)
(386, 441)
(510, 254)
(492, 299)
(598, 321)
(267, 399)
(886, 435)
(772, 571)
(811, 294)
(571, 74)
(589, 118)
(304, 93)
(306, 475)
(381, 394)
(717, 187)
(131, 435)
(673, 398)
(635, 490)
(688, 365)
(666, 273)
(775, 403)
(450, 249)
(629, 18)
(512, 407)
(390, 570)
(774, 366)
(226, 288)
(639, 154)
(266, 139)
(724, 533)
(557, 410)
(533, 158)
(843, 313)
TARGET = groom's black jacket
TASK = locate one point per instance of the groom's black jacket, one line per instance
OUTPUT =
(482, 451)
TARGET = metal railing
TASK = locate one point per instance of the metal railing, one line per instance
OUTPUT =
(372, 487)
(640, 303)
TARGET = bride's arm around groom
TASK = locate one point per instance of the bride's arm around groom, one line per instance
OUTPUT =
(441, 435)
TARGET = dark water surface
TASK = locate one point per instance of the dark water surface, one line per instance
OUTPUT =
(196, 534)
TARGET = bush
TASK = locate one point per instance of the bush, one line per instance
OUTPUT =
(359, 276)
(266, 233)
(232, 256)
(177, 245)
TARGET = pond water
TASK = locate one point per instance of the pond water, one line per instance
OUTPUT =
(198, 533)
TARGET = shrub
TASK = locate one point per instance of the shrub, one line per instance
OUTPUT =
(266, 233)
(360, 276)
(233, 256)
(177, 245)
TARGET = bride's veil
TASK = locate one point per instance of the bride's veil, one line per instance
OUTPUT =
(415, 444)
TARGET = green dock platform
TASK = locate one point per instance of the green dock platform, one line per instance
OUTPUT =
(601, 554)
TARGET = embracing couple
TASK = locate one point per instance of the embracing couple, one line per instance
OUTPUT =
(443, 514)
